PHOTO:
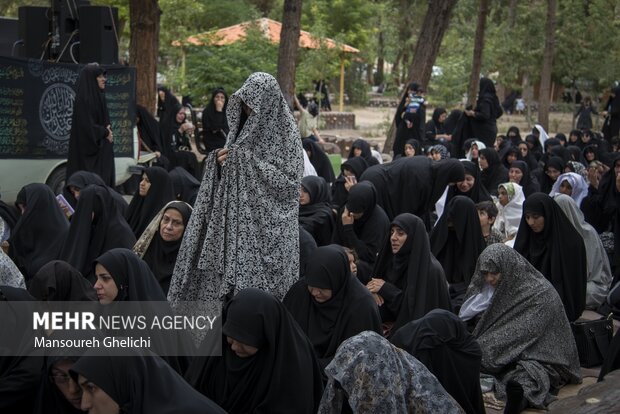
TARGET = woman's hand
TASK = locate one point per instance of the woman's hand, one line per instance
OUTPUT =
(378, 299)
(469, 112)
(347, 218)
(375, 285)
(222, 154)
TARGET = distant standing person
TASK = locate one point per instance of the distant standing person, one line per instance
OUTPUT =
(484, 116)
(214, 123)
(410, 117)
(612, 114)
(91, 145)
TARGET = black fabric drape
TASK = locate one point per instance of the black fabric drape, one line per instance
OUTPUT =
(59, 281)
(557, 252)
(142, 384)
(142, 209)
(82, 179)
(611, 127)
(319, 159)
(456, 241)
(414, 280)
(148, 129)
(283, 376)
(495, 174)
(350, 310)
(19, 375)
(89, 149)
(40, 231)
(307, 246)
(441, 342)
(412, 185)
(185, 185)
(317, 217)
(367, 234)
(96, 227)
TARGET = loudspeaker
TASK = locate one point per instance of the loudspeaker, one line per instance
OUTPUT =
(9, 34)
(65, 34)
(34, 30)
(98, 34)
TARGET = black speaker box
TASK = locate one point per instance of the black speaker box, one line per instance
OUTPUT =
(34, 31)
(65, 25)
(9, 33)
(98, 34)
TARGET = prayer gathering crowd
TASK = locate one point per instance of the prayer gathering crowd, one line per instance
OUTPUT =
(413, 285)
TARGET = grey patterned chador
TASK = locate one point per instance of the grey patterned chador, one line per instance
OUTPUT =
(244, 231)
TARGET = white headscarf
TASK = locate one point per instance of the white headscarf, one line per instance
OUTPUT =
(576, 181)
(543, 135)
(509, 216)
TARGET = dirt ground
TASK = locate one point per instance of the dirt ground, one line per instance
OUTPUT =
(372, 123)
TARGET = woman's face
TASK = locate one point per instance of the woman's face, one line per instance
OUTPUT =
(145, 184)
(474, 151)
(75, 191)
(357, 152)
(105, 286)
(482, 162)
(101, 81)
(162, 95)
(219, 100)
(348, 173)
(498, 143)
(535, 221)
(409, 150)
(515, 175)
(398, 237)
(511, 157)
(492, 278)
(442, 117)
(59, 375)
(524, 149)
(304, 197)
(553, 173)
(352, 263)
(503, 196)
(95, 400)
(181, 116)
(320, 295)
(566, 188)
(585, 138)
(589, 156)
(242, 350)
(435, 155)
(466, 185)
(171, 226)
(573, 138)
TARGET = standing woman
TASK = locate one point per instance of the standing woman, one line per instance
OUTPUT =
(214, 123)
(155, 191)
(91, 145)
(244, 230)
(159, 244)
(612, 114)
(484, 116)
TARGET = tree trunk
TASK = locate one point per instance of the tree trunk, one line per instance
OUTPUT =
(380, 60)
(474, 77)
(143, 49)
(426, 50)
(512, 13)
(289, 45)
(547, 66)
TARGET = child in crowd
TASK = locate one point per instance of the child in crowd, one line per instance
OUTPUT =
(487, 212)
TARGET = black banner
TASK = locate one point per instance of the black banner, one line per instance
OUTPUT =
(36, 106)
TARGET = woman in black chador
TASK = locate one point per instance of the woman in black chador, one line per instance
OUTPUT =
(214, 123)
(484, 116)
(91, 145)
